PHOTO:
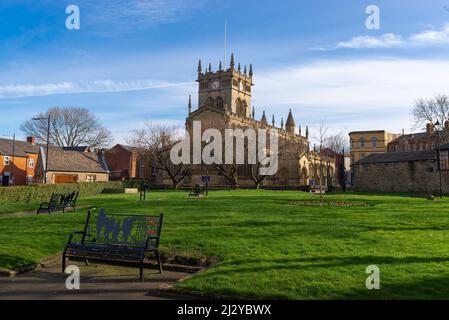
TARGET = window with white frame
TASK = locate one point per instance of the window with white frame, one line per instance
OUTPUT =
(91, 178)
(374, 142)
(31, 163)
(6, 160)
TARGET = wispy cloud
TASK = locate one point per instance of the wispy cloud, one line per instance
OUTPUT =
(388, 40)
(355, 94)
(29, 90)
(392, 40)
(132, 14)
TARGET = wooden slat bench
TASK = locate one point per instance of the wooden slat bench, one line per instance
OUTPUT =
(115, 238)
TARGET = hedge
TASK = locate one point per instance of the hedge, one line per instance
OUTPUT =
(40, 193)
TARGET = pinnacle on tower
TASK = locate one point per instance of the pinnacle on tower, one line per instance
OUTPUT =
(282, 123)
(307, 131)
(210, 67)
(232, 61)
(190, 104)
(250, 69)
(254, 113)
(200, 69)
(240, 69)
(244, 70)
(272, 121)
(299, 130)
(220, 67)
(264, 118)
(290, 124)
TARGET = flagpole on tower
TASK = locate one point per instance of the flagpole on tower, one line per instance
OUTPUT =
(225, 42)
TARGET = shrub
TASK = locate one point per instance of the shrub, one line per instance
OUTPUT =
(40, 193)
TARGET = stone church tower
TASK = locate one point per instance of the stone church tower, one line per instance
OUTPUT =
(226, 90)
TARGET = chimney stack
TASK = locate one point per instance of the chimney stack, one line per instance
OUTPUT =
(430, 128)
(31, 139)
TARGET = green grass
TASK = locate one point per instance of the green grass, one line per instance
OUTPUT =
(270, 248)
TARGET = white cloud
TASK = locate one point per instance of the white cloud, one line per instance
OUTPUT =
(29, 90)
(432, 36)
(391, 40)
(365, 42)
(351, 94)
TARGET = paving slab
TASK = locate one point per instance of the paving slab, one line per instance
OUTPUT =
(97, 281)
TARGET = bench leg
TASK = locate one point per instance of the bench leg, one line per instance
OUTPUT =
(63, 262)
(141, 271)
(86, 262)
(158, 262)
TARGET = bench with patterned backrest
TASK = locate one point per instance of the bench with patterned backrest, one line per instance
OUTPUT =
(58, 202)
(116, 237)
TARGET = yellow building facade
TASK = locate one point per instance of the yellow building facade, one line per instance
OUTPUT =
(364, 143)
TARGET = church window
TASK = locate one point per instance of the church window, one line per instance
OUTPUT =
(373, 142)
(219, 103)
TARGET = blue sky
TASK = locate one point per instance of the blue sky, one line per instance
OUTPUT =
(133, 61)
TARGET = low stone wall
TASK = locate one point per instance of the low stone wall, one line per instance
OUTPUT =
(406, 176)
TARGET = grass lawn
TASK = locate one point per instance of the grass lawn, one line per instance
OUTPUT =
(270, 247)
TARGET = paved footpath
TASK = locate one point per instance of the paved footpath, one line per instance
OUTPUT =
(96, 282)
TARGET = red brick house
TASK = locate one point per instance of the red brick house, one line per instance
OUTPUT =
(18, 161)
(127, 163)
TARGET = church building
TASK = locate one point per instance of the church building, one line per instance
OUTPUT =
(224, 102)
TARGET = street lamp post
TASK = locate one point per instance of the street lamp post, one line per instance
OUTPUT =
(48, 142)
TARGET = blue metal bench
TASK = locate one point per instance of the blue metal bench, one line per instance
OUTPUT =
(116, 237)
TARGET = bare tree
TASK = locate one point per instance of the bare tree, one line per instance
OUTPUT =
(69, 127)
(434, 111)
(321, 138)
(336, 142)
(229, 171)
(157, 140)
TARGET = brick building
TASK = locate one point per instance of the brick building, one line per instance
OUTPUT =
(127, 163)
(65, 166)
(18, 161)
(420, 141)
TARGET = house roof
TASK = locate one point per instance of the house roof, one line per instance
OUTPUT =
(79, 148)
(130, 148)
(21, 148)
(74, 161)
(417, 136)
(398, 157)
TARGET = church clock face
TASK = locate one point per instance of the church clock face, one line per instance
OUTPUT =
(215, 85)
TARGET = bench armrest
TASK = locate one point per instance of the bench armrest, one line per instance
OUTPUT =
(74, 234)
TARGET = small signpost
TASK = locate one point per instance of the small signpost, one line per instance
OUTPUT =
(206, 179)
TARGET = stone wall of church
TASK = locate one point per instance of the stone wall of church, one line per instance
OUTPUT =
(411, 176)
